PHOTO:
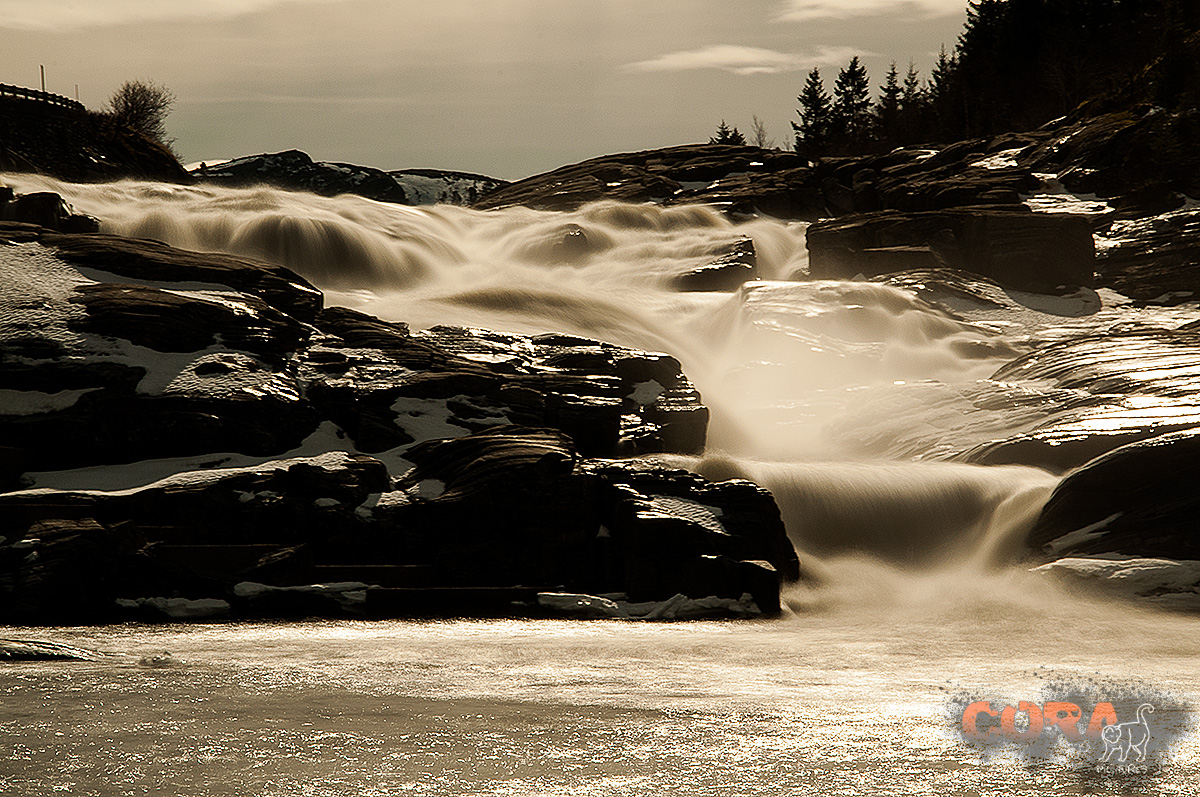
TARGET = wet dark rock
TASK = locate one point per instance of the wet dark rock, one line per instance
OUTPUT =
(148, 366)
(167, 321)
(1031, 251)
(510, 509)
(1153, 257)
(48, 210)
(1107, 391)
(733, 266)
(42, 650)
(152, 261)
(572, 245)
(55, 569)
(1138, 500)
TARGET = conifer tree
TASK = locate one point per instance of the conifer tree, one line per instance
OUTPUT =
(945, 97)
(887, 112)
(913, 102)
(852, 104)
(728, 135)
(815, 111)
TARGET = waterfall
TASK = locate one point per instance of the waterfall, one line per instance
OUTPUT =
(845, 399)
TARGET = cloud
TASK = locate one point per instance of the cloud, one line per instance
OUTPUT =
(742, 60)
(804, 10)
(57, 15)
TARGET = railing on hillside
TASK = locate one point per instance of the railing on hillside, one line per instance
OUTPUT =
(40, 96)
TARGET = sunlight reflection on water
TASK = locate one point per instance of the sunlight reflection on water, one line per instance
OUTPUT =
(824, 704)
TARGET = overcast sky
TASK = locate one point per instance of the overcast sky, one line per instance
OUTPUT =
(507, 88)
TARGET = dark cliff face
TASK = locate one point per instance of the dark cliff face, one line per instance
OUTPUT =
(78, 145)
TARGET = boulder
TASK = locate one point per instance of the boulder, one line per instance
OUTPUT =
(735, 264)
(1138, 501)
(44, 209)
(169, 321)
(152, 261)
(1038, 252)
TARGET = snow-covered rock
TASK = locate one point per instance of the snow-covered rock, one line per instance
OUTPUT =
(178, 608)
(297, 171)
(1168, 583)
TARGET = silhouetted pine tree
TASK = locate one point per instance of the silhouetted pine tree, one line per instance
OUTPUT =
(914, 107)
(887, 111)
(947, 99)
(728, 135)
(816, 117)
(852, 107)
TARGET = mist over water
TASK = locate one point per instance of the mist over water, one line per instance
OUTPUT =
(848, 400)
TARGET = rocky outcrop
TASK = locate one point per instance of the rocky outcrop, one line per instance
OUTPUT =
(1138, 500)
(1039, 252)
(179, 425)
(737, 264)
(296, 171)
(1142, 159)
(109, 370)
(1100, 392)
(740, 180)
(43, 209)
(480, 525)
(1153, 258)
(71, 143)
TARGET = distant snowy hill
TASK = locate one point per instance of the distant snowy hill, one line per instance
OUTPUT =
(295, 170)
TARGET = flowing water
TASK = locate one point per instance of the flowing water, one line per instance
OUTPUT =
(852, 401)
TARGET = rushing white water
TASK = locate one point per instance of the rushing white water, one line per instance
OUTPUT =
(796, 372)
(843, 398)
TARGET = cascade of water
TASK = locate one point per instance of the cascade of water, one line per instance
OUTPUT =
(822, 391)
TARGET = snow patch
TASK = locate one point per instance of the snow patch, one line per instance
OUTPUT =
(1005, 159)
(645, 393)
(1083, 535)
(426, 419)
(1168, 582)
